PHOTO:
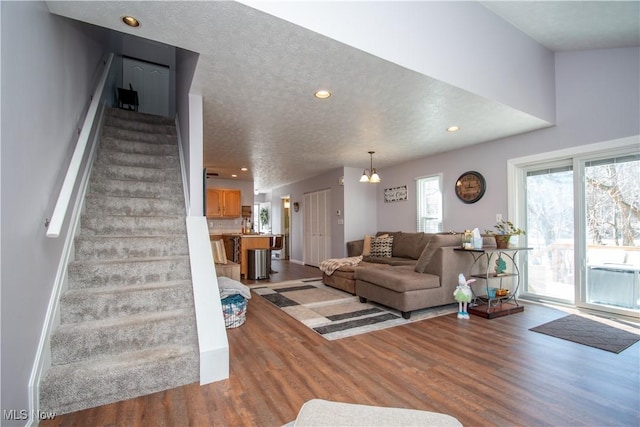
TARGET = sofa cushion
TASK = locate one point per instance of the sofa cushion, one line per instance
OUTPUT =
(409, 245)
(436, 241)
(398, 279)
(381, 247)
(429, 249)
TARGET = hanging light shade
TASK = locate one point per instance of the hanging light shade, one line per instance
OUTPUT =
(370, 175)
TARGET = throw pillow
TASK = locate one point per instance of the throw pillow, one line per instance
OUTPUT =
(381, 247)
(366, 248)
(425, 256)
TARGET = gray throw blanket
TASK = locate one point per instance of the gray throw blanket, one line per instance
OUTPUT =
(230, 287)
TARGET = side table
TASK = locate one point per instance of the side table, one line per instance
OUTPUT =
(485, 304)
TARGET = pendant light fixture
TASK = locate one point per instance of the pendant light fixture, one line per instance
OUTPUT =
(370, 175)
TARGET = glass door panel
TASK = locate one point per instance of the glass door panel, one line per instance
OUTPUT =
(612, 222)
(549, 267)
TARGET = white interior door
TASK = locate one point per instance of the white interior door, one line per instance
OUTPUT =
(151, 81)
(317, 228)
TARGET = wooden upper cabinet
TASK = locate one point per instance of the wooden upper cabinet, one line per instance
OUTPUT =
(232, 204)
(223, 203)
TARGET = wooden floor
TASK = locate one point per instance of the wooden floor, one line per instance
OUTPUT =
(483, 372)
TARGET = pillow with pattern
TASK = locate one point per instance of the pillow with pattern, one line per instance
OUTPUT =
(381, 247)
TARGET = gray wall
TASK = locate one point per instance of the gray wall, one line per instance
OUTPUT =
(49, 66)
(597, 100)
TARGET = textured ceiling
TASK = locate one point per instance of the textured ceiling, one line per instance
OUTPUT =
(574, 25)
(257, 75)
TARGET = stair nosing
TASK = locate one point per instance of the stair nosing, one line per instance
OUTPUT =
(112, 322)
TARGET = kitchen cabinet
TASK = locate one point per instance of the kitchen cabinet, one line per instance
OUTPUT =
(223, 203)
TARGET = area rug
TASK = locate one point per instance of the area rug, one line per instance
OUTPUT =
(335, 314)
(605, 334)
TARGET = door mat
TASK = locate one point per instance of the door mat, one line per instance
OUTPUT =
(605, 334)
(335, 314)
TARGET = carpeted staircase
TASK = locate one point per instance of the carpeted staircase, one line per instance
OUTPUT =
(127, 320)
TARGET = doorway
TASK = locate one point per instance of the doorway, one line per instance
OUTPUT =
(286, 227)
(151, 81)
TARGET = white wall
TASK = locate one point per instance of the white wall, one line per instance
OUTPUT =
(49, 65)
(597, 100)
(186, 63)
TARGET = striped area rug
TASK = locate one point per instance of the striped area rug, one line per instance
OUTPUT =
(335, 314)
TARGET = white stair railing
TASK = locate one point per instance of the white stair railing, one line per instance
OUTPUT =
(54, 226)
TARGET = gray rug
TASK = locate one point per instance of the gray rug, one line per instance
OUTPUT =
(605, 334)
(335, 314)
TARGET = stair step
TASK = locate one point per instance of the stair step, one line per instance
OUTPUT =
(119, 247)
(75, 342)
(133, 135)
(135, 173)
(124, 146)
(142, 189)
(116, 301)
(127, 272)
(137, 116)
(99, 382)
(127, 318)
(129, 225)
(138, 160)
(136, 206)
(139, 126)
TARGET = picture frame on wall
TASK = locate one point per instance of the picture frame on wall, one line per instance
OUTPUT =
(395, 194)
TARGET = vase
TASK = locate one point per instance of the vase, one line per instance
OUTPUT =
(502, 241)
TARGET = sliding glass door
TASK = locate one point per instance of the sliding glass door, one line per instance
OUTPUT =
(582, 216)
(550, 229)
(611, 197)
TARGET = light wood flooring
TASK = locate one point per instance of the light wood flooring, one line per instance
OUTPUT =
(483, 372)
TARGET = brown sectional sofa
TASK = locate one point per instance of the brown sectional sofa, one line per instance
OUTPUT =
(422, 271)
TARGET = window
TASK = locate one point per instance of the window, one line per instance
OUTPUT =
(429, 203)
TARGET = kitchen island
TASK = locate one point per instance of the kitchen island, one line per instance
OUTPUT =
(237, 246)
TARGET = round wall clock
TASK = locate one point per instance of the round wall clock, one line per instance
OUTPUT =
(470, 187)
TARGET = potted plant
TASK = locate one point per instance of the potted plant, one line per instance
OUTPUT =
(503, 232)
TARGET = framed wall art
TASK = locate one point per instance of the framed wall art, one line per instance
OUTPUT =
(395, 194)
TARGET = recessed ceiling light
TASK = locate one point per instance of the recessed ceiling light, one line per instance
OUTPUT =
(244, 169)
(234, 176)
(130, 21)
(322, 94)
(453, 129)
